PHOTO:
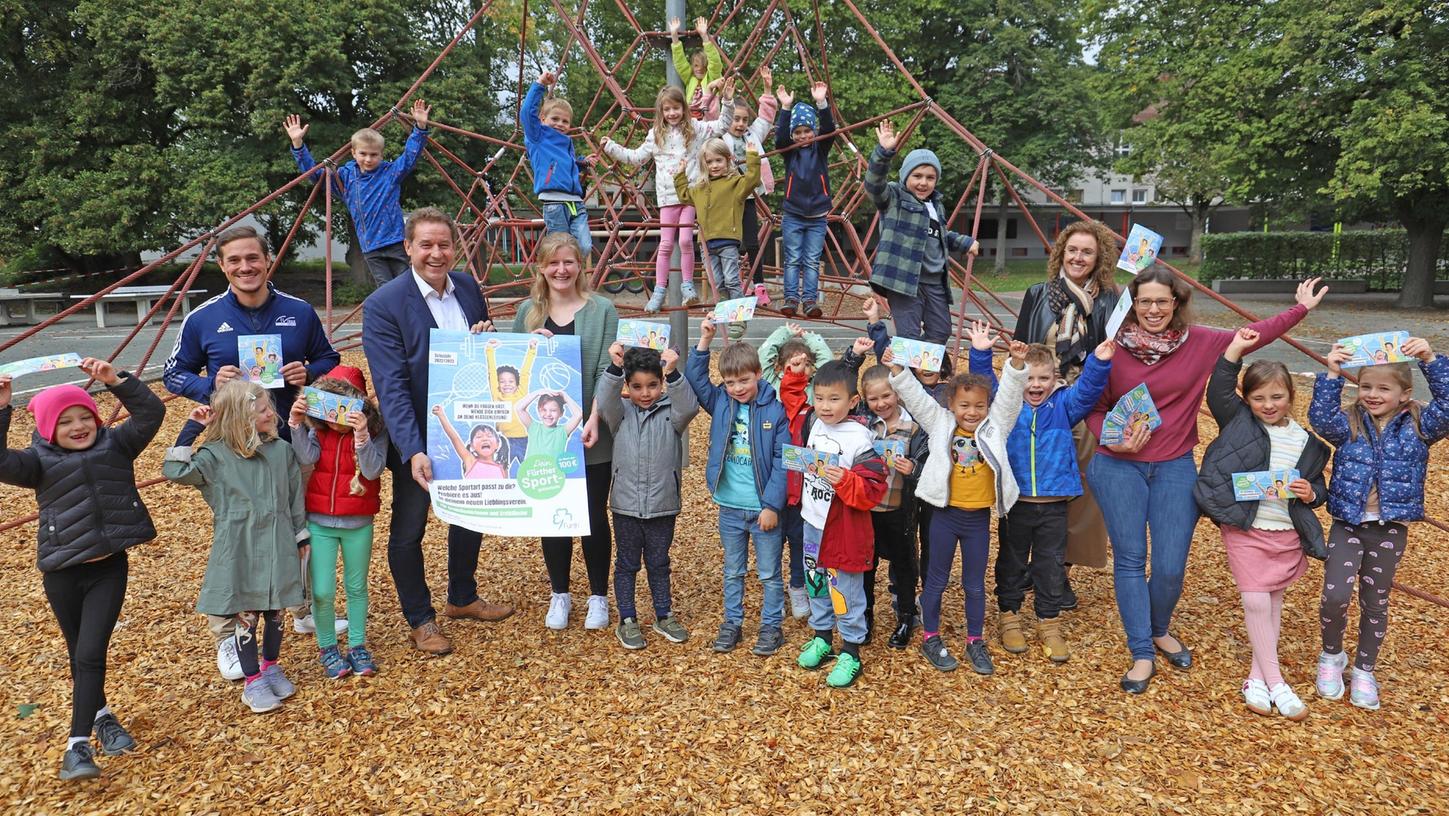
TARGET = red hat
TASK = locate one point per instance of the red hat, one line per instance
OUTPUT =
(348, 374)
(48, 405)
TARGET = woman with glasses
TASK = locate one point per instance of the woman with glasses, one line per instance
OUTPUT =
(1144, 483)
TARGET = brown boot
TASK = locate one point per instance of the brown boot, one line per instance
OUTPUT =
(479, 610)
(1053, 645)
(430, 639)
(1012, 639)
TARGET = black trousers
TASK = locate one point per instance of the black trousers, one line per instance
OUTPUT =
(895, 541)
(558, 553)
(405, 553)
(1033, 553)
(751, 226)
(86, 600)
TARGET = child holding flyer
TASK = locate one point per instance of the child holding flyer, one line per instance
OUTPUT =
(342, 496)
(719, 199)
(836, 505)
(1265, 540)
(648, 428)
(747, 433)
(250, 479)
(83, 474)
(967, 476)
(1379, 469)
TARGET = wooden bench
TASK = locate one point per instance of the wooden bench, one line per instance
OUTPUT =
(9, 297)
(142, 296)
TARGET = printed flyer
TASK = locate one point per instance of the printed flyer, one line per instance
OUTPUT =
(917, 354)
(732, 311)
(1376, 349)
(644, 334)
(1141, 249)
(507, 461)
(807, 460)
(1136, 408)
(1263, 484)
(259, 356)
(329, 407)
(32, 365)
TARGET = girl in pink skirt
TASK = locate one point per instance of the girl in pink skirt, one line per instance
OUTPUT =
(1267, 521)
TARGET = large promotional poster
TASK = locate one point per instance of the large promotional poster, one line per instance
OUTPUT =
(504, 433)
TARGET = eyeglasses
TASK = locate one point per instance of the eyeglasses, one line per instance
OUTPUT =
(1162, 304)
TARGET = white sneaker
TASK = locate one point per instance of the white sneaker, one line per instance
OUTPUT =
(1364, 690)
(1330, 675)
(598, 617)
(558, 611)
(1255, 696)
(1287, 702)
(227, 660)
(307, 625)
(799, 603)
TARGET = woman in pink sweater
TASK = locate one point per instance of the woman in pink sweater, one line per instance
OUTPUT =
(1145, 482)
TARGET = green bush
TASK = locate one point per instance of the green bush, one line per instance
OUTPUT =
(1378, 256)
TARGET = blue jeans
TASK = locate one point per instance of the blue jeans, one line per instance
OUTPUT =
(736, 527)
(804, 240)
(1136, 497)
(792, 526)
(724, 265)
(850, 586)
(571, 217)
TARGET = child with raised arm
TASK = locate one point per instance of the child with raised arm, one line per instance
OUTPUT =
(915, 240)
(485, 454)
(1266, 539)
(251, 481)
(966, 477)
(718, 198)
(741, 133)
(347, 455)
(648, 427)
(557, 170)
(509, 384)
(746, 478)
(893, 518)
(807, 194)
(1379, 469)
(558, 417)
(839, 539)
(83, 475)
(673, 144)
(371, 186)
(700, 69)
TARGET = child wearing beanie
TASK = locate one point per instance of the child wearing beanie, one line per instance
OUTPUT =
(807, 203)
(910, 263)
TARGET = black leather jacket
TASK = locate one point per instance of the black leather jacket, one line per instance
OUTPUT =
(1036, 319)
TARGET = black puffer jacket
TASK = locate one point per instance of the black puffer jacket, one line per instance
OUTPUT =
(1036, 319)
(1242, 446)
(89, 505)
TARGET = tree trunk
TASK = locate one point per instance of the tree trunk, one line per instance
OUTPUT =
(1002, 252)
(1198, 210)
(1425, 226)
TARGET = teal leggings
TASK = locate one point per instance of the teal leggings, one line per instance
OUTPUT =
(356, 548)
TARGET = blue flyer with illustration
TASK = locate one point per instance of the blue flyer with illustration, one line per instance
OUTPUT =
(504, 433)
(329, 407)
(1141, 249)
(259, 356)
(733, 311)
(807, 460)
(890, 450)
(644, 334)
(1375, 349)
(1133, 410)
(917, 354)
(1257, 485)
(32, 365)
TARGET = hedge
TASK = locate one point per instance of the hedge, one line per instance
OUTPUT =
(1378, 256)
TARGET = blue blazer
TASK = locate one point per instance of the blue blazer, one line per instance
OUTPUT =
(395, 325)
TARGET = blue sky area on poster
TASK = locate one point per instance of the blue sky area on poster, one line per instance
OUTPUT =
(510, 458)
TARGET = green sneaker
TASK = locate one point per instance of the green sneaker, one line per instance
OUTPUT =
(629, 635)
(847, 668)
(671, 629)
(816, 651)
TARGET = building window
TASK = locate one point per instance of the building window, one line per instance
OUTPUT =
(1139, 196)
(1076, 195)
(1119, 197)
(1124, 149)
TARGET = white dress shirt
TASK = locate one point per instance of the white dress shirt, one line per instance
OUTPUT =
(447, 311)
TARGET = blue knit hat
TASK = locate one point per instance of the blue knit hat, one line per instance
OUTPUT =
(915, 159)
(803, 115)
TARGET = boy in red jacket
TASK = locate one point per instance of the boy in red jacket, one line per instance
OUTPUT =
(835, 504)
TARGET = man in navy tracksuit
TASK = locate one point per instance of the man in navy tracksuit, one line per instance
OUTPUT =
(208, 343)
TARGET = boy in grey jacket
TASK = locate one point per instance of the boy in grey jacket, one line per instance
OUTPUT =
(647, 428)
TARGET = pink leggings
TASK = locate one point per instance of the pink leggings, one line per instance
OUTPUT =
(678, 220)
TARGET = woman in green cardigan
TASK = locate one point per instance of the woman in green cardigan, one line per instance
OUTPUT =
(560, 303)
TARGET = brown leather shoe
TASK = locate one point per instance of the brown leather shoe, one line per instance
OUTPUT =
(430, 639)
(479, 610)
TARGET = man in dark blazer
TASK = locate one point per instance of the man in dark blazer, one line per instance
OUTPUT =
(396, 319)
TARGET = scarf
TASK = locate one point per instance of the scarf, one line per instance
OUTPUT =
(1148, 347)
(1072, 305)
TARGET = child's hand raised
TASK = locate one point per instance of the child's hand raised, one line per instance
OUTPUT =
(706, 332)
(729, 89)
(980, 334)
(100, 370)
(861, 346)
(889, 360)
(871, 310)
(799, 364)
(1017, 350)
(201, 415)
(701, 26)
(819, 92)
(1335, 359)
(674, 25)
(1302, 490)
(296, 131)
(1105, 350)
(766, 78)
(616, 354)
(885, 135)
(1306, 296)
(1242, 340)
(669, 360)
(1418, 347)
(795, 329)
(298, 414)
(547, 79)
(786, 98)
(420, 114)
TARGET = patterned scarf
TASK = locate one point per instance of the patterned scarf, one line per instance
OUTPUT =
(1072, 305)
(1148, 347)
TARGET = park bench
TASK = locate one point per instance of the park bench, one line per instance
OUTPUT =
(14, 297)
(142, 296)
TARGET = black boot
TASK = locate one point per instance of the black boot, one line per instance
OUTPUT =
(901, 637)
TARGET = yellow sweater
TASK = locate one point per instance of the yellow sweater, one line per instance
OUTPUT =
(720, 203)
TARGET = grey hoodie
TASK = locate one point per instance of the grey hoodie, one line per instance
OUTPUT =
(646, 444)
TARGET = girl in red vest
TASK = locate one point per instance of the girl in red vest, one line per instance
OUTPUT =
(342, 498)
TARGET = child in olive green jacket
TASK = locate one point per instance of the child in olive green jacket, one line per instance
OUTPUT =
(719, 200)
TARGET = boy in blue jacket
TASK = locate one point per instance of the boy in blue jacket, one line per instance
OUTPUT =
(746, 478)
(807, 194)
(1044, 460)
(556, 168)
(372, 188)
